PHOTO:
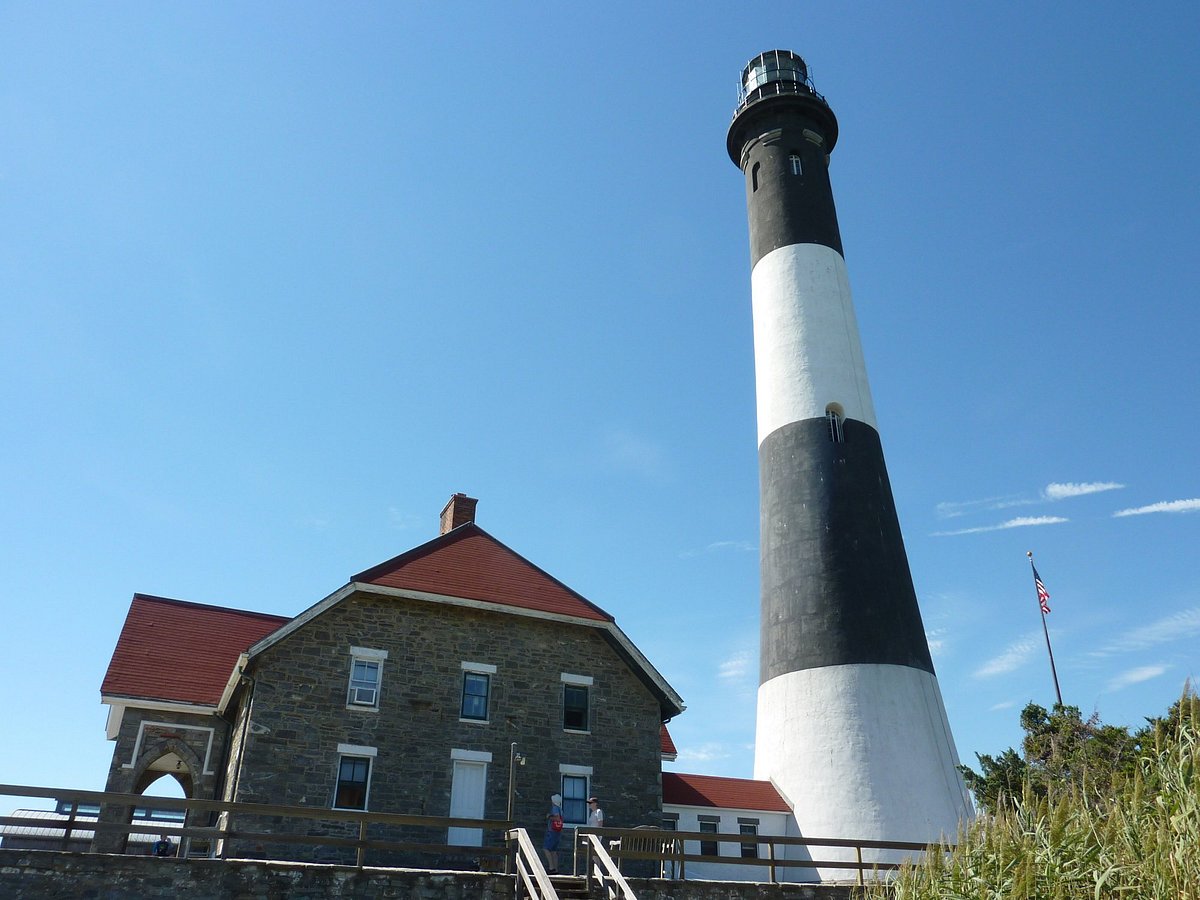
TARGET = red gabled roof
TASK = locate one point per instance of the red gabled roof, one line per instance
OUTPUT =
(181, 652)
(722, 793)
(666, 745)
(469, 563)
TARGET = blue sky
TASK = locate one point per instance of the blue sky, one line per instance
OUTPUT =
(279, 279)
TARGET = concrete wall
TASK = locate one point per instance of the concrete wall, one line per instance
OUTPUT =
(37, 875)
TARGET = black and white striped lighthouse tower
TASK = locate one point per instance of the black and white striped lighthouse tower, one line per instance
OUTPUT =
(851, 727)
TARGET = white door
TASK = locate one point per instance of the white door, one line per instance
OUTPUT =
(466, 801)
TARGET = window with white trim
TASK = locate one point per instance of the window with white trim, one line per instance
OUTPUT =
(576, 702)
(709, 825)
(476, 691)
(796, 166)
(574, 796)
(749, 827)
(353, 776)
(366, 677)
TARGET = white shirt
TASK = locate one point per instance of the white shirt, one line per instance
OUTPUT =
(596, 818)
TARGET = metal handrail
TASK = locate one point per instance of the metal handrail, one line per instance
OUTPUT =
(601, 866)
(227, 810)
(531, 874)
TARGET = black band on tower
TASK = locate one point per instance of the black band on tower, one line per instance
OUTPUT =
(836, 585)
(785, 159)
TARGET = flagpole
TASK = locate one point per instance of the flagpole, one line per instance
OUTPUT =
(1046, 631)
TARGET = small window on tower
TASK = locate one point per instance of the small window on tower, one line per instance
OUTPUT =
(794, 162)
(833, 417)
(754, 175)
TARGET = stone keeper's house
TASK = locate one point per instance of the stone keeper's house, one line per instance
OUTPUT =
(401, 691)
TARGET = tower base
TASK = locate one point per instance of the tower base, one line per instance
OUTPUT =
(861, 751)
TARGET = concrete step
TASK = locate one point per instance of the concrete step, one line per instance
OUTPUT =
(570, 887)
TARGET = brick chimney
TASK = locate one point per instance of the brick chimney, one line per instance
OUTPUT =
(458, 511)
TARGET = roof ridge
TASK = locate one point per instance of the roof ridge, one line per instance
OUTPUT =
(194, 605)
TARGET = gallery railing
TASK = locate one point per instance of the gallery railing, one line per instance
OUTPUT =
(225, 831)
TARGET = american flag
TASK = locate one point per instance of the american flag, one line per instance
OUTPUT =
(1043, 594)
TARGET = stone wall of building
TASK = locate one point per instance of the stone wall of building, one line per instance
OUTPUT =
(144, 738)
(299, 715)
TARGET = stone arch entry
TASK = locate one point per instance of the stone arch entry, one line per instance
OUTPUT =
(171, 757)
(166, 757)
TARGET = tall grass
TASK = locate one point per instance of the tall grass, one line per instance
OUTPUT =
(1140, 842)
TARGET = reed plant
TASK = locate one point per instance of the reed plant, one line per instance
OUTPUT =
(1137, 840)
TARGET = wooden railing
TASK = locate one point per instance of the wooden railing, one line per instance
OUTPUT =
(600, 869)
(669, 849)
(228, 813)
(532, 880)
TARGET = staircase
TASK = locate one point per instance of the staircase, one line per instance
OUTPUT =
(570, 887)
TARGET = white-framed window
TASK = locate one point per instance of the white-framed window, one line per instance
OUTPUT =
(353, 784)
(366, 677)
(709, 825)
(576, 702)
(795, 165)
(476, 692)
(575, 782)
(748, 828)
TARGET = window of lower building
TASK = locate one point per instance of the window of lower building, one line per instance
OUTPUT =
(749, 848)
(708, 848)
(353, 782)
(575, 794)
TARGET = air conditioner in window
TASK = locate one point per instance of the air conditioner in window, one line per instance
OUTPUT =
(363, 696)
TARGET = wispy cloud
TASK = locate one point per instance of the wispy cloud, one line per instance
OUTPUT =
(1003, 704)
(1063, 490)
(398, 518)
(1019, 522)
(735, 667)
(1182, 625)
(936, 640)
(1013, 657)
(1167, 506)
(1053, 492)
(1136, 676)
(632, 453)
(952, 509)
(721, 547)
(704, 753)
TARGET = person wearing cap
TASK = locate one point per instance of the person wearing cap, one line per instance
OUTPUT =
(595, 813)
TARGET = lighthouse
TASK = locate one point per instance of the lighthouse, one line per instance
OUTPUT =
(851, 727)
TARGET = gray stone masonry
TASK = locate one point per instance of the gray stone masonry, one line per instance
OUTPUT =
(298, 716)
(39, 875)
(146, 736)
